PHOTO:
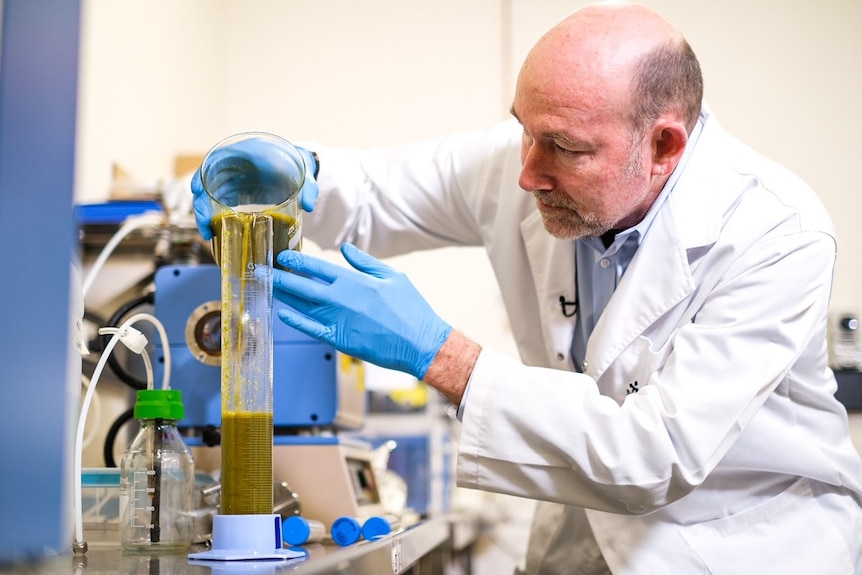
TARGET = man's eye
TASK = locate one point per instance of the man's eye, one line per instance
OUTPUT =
(567, 151)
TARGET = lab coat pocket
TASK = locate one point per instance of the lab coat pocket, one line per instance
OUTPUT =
(633, 369)
(788, 534)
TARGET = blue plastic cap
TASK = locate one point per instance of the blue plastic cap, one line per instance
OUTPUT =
(376, 527)
(295, 530)
(345, 531)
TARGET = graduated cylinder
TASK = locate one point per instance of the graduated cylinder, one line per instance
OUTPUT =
(246, 427)
(253, 182)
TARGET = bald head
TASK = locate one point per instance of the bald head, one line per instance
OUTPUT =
(613, 35)
(624, 57)
(606, 100)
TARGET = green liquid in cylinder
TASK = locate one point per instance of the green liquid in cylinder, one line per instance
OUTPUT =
(246, 466)
(247, 420)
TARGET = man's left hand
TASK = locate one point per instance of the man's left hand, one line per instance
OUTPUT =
(371, 312)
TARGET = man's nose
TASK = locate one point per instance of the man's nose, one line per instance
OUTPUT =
(533, 175)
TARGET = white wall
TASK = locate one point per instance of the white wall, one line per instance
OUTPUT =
(161, 78)
(167, 77)
(150, 88)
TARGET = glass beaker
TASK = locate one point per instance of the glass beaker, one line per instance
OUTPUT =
(253, 181)
(256, 172)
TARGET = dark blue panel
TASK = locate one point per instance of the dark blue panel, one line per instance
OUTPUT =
(849, 389)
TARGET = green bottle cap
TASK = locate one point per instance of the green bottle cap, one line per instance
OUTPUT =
(159, 404)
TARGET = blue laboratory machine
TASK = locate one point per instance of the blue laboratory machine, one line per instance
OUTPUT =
(318, 393)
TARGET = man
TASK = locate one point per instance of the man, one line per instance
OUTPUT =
(672, 411)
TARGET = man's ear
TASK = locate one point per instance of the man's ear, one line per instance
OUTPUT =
(668, 144)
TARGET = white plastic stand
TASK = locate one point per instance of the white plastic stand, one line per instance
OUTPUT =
(247, 538)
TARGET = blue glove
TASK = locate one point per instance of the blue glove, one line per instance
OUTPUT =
(371, 312)
(233, 175)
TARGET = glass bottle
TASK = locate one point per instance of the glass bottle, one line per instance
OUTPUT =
(157, 478)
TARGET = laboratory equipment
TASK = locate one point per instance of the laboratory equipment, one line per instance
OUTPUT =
(376, 527)
(315, 388)
(246, 424)
(346, 530)
(157, 478)
(299, 530)
(245, 194)
(255, 173)
(246, 537)
(100, 498)
(41, 368)
(239, 335)
(333, 475)
(248, 198)
(100, 504)
(318, 395)
(845, 351)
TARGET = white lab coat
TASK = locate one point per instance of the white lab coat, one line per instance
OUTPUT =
(703, 436)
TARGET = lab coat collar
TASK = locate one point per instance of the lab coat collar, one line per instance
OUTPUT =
(647, 290)
(702, 189)
(660, 276)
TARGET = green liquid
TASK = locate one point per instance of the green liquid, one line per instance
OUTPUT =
(246, 431)
(246, 463)
(285, 231)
